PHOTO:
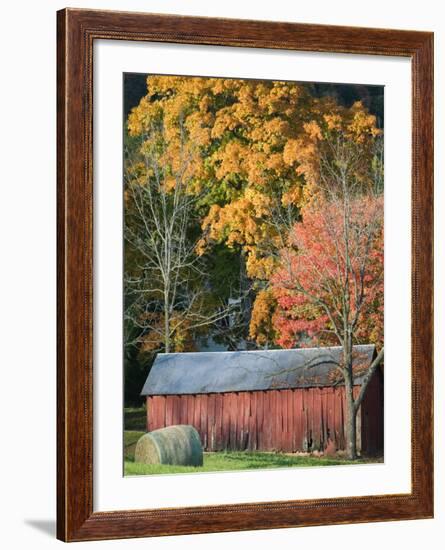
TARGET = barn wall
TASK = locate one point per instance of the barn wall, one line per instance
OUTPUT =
(288, 420)
(372, 416)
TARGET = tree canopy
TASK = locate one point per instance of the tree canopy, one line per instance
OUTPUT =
(253, 216)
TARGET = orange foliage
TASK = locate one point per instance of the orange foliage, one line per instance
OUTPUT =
(261, 327)
(253, 147)
(325, 280)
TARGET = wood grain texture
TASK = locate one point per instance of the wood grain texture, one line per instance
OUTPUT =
(271, 420)
(77, 30)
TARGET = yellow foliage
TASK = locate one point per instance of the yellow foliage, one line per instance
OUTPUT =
(249, 140)
(294, 196)
(313, 130)
(261, 327)
(259, 266)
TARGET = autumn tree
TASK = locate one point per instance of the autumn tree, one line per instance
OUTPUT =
(271, 190)
(262, 328)
(240, 130)
(166, 295)
(329, 287)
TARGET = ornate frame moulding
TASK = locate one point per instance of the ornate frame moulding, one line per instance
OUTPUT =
(76, 32)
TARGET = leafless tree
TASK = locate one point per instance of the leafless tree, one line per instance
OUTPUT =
(166, 290)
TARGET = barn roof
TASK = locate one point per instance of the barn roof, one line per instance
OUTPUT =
(227, 371)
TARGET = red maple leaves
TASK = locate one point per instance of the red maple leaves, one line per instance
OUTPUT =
(331, 275)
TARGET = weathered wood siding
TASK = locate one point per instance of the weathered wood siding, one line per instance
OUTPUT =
(372, 416)
(288, 420)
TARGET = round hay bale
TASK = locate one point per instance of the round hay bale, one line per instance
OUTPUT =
(178, 445)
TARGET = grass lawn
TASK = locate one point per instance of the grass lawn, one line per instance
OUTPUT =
(224, 461)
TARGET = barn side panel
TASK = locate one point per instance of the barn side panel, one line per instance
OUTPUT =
(218, 422)
(256, 418)
(340, 436)
(317, 436)
(372, 417)
(299, 420)
(150, 413)
(225, 420)
(315, 417)
(289, 420)
(251, 422)
(311, 421)
(245, 420)
(275, 421)
(211, 424)
(156, 408)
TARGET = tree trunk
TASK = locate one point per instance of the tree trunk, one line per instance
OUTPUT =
(166, 322)
(351, 416)
(351, 412)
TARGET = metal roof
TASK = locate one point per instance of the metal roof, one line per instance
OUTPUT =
(228, 371)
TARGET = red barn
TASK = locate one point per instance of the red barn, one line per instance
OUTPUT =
(274, 400)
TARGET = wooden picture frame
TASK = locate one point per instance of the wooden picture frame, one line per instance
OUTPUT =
(77, 31)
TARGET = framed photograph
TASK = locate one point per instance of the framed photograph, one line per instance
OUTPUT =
(245, 228)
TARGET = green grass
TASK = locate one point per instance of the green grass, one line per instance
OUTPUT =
(130, 440)
(226, 461)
